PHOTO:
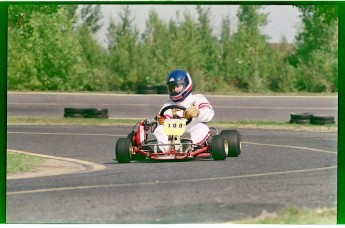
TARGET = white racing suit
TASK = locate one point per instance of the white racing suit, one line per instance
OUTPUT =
(198, 130)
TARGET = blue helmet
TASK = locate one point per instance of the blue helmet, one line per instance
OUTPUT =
(179, 85)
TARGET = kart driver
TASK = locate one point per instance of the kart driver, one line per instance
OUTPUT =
(197, 107)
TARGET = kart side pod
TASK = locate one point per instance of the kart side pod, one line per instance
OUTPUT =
(140, 134)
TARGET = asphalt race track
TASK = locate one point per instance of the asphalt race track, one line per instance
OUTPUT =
(276, 169)
(228, 108)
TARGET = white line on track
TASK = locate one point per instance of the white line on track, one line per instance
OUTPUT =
(291, 147)
(171, 182)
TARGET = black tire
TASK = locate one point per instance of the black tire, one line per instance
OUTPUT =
(301, 116)
(162, 89)
(74, 112)
(322, 122)
(146, 89)
(300, 121)
(96, 111)
(219, 147)
(123, 151)
(322, 118)
(234, 142)
(73, 115)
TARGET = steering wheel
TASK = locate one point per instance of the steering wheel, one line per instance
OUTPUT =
(174, 107)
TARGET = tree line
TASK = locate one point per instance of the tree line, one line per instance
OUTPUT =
(53, 48)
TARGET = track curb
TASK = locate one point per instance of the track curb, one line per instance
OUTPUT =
(54, 166)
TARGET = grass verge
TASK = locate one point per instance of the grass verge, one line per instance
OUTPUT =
(20, 163)
(294, 215)
(131, 122)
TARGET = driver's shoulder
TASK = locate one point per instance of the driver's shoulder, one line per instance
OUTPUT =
(199, 98)
(199, 95)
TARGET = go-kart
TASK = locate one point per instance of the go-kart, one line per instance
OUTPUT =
(140, 145)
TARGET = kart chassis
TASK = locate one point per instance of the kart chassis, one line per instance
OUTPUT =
(138, 145)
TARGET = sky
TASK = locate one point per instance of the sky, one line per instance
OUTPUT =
(283, 20)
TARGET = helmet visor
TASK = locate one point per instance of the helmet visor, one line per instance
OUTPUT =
(176, 88)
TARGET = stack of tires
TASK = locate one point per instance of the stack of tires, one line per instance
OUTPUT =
(152, 89)
(162, 89)
(86, 113)
(308, 118)
(322, 119)
(301, 118)
(146, 89)
(74, 113)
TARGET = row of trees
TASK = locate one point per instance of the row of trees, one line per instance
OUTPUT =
(53, 47)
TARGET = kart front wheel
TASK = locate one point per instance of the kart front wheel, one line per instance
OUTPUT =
(123, 150)
(234, 142)
(219, 147)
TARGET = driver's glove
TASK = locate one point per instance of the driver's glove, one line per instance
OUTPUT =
(191, 112)
(160, 119)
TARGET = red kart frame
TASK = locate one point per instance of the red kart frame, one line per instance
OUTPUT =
(202, 151)
(137, 147)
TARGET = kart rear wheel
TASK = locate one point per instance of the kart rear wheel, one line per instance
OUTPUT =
(219, 147)
(234, 142)
(123, 150)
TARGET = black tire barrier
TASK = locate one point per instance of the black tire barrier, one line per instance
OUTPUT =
(74, 113)
(308, 118)
(99, 116)
(322, 122)
(300, 121)
(322, 119)
(162, 89)
(300, 118)
(146, 89)
(96, 111)
(74, 110)
(85, 113)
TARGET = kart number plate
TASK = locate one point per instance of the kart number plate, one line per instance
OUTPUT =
(174, 127)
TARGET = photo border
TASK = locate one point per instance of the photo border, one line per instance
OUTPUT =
(341, 85)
